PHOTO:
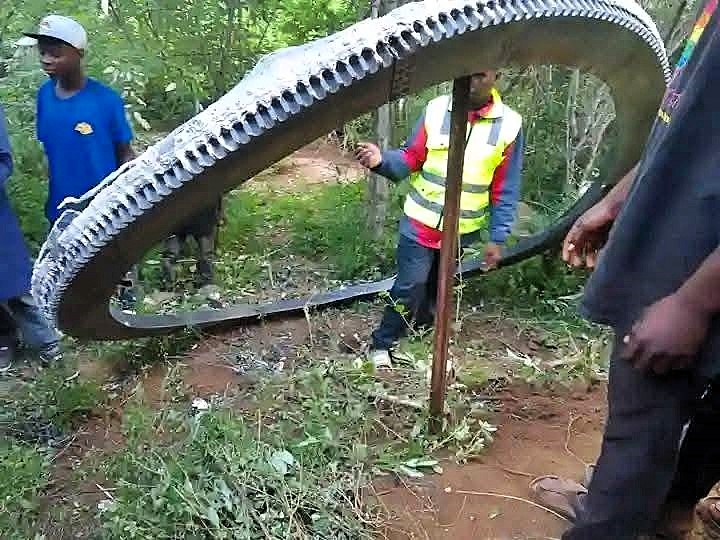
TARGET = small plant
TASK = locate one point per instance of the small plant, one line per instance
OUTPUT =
(23, 476)
(44, 408)
(213, 478)
(133, 355)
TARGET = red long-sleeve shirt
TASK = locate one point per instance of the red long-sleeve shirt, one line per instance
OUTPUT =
(504, 188)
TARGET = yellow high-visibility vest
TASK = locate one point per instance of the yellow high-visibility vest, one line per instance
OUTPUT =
(487, 139)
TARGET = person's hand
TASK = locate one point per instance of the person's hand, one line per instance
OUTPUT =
(369, 155)
(587, 237)
(668, 335)
(493, 254)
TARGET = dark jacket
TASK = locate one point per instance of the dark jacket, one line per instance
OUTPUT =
(15, 265)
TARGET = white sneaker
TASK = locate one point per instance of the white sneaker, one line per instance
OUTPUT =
(380, 358)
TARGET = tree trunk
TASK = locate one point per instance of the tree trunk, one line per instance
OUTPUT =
(571, 134)
(378, 189)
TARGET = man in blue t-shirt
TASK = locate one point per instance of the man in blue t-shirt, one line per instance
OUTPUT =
(80, 121)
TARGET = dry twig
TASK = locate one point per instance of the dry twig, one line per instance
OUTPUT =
(511, 498)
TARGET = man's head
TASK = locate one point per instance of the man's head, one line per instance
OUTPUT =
(61, 42)
(481, 85)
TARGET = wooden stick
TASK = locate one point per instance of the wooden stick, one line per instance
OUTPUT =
(446, 265)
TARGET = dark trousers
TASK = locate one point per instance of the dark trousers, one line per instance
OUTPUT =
(8, 330)
(412, 297)
(203, 227)
(21, 315)
(642, 464)
(205, 253)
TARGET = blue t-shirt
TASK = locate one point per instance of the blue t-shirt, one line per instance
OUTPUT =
(79, 135)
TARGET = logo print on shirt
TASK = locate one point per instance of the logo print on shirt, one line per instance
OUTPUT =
(83, 128)
(672, 96)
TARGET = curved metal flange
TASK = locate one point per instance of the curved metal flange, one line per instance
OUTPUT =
(298, 94)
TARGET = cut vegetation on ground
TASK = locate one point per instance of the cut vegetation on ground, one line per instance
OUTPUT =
(280, 430)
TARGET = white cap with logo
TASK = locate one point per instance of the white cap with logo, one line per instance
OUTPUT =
(63, 28)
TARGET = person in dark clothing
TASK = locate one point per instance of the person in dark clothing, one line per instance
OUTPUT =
(491, 188)
(654, 242)
(18, 313)
(202, 228)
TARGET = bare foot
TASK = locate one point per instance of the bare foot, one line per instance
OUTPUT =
(708, 510)
(707, 522)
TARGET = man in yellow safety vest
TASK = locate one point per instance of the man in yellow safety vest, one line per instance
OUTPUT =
(490, 188)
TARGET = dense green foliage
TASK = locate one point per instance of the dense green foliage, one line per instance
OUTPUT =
(168, 57)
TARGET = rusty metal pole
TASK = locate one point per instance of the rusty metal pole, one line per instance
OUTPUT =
(448, 250)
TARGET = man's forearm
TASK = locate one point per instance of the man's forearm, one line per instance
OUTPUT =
(396, 165)
(702, 289)
(393, 166)
(615, 199)
(124, 153)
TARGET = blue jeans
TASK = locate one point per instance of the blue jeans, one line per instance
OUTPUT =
(21, 314)
(412, 296)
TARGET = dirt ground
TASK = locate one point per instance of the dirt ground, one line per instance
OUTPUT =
(538, 434)
(319, 162)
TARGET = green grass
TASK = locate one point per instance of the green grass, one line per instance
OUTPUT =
(541, 296)
(37, 417)
(325, 224)
(131, 356)
(293, 466)
(218, 480)
(23, 475)
(285, 457)
(541, 291)
(321, 230)
(47, 405)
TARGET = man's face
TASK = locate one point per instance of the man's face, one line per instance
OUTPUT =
(481, 83)
(58, 59)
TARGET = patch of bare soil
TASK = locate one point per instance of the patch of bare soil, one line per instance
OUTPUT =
(225, 362)
(79, 494)
(538, 434)
(320, 162)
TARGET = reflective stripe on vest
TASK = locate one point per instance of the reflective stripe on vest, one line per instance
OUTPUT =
(438, 208)
(486, 142)
(440, 181)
